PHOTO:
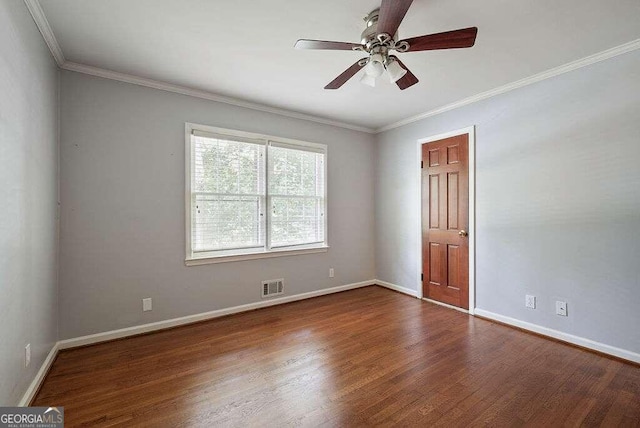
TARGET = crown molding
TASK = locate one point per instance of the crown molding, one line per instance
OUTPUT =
(50, 39)
(591, 59)
(169, 87)
(45, 29)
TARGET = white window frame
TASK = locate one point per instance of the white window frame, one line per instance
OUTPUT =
(194, 259)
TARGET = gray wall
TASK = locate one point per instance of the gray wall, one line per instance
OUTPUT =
(558, 200)
(29, 192)
(122, 208)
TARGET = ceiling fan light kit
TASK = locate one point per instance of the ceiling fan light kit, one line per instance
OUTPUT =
(380, 37)
(394, 71)
(368, 80)
(375, 67)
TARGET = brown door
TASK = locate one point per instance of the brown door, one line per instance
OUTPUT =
(445, 221)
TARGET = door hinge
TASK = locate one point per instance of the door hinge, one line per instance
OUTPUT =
(421, 164)
(421, 277)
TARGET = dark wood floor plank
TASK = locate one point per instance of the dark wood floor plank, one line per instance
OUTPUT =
(359, 358)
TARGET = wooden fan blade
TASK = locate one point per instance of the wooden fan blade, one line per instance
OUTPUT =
(323, 44)
(346, 75)
(409, 79)
(391, 14)
(464, 38)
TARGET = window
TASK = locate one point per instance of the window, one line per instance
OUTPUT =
(251, 196)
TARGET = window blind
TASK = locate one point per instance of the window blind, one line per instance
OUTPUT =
(228, 196)
(296, 195)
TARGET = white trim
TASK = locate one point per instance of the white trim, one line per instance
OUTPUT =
(222, 132)
(397, 288)
(565, 337)
(471, 132)
(195, 261)
(188, 162)
(150, 83)
(37, 381)
(265, 222)
(565, 68)
(472, 218)
(197, 93)
(419, 249)
(45, 29)
(161, 325)
(435, 302)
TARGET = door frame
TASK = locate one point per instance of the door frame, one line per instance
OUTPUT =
(471, 132)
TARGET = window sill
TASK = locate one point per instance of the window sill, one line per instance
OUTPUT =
(205, 260)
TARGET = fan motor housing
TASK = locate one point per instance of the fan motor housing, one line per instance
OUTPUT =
(370, 31)
(369, 35)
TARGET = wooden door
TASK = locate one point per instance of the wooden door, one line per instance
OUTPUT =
(445, 221)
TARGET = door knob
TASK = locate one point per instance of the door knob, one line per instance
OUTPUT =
(463, 233)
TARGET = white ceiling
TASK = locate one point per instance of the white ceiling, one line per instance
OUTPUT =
(244, 48)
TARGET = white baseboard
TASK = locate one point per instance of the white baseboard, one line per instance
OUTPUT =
(565, 337)
(37, 381)
(161, 325)
(397, 288)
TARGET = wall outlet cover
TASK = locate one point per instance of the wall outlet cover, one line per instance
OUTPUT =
(147, 304)
(561, 308)
(530, 301)
(27, 355)
(331, 273)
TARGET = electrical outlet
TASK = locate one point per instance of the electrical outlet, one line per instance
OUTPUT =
(561, 308)
(530, 301)
(331, 273)
(27, 355)
(146, 304)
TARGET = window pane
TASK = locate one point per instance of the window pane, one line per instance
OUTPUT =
(296, 190)
(227, 194)
(223, 166)
(295, 172)
(226, 222)
(296, 220)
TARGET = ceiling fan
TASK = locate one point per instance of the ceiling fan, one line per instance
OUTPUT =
(380, 38)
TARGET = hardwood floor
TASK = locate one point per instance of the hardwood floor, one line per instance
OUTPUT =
(364, 357)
